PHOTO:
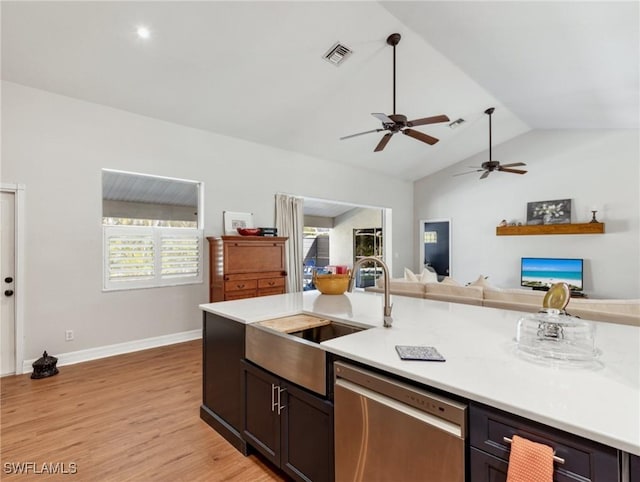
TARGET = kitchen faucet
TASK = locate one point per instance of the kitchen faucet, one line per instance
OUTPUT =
(387, 320)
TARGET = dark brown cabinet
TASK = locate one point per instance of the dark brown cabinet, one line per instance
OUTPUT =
(582, 459)
(290, 426)
(223, 349)
(246, 266)
(634, 468)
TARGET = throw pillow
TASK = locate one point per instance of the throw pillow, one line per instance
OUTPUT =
(410, 275)
(482, 282)
(428, 276)
(450, 281)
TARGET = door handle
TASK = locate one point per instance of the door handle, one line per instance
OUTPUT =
(280, 406)
(273, 397)
(8, 293)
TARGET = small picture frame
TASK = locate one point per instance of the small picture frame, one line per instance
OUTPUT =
(234, 220)
(549, 212)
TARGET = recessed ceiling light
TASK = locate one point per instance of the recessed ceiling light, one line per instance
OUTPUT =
(143, 32)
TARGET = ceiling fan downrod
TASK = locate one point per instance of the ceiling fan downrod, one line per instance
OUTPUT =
(489, 111)
(393, 40)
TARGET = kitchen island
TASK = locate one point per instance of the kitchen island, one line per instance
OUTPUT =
(599, 402)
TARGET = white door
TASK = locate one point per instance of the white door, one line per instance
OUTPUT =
(7, 285)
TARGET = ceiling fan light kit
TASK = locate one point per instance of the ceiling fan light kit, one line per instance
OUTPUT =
(489, 166)
(394, 123)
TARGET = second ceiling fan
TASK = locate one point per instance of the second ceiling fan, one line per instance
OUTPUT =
(395, 123)
(489, 166)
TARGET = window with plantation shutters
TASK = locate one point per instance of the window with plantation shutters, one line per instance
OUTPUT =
(179, 255)
(144, 257)
(130, 254)
(152, 232)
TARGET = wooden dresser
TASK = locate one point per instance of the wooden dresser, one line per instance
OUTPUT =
(246, 266)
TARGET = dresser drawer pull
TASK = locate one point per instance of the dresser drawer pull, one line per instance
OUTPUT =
(271, 283)
(240, 286)
(557, 460)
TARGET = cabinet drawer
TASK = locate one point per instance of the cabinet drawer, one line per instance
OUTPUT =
(271, 291)
(271, 283)
(239, 295)
(582, 457)
(237, 285)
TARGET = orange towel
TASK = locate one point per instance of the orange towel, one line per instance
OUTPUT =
(530, 461)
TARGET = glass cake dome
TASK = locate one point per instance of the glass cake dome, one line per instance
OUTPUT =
(555, 335)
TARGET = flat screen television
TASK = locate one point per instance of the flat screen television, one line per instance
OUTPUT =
(541, 273)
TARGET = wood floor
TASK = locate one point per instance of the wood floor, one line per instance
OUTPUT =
(129, 417)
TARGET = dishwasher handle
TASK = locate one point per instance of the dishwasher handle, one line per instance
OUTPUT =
(419, 415)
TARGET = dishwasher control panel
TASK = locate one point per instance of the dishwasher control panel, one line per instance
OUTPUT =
(436, 405)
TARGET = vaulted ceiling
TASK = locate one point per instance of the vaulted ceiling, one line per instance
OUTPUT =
(254, 70)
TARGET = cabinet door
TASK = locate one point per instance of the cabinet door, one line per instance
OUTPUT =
(253, 256)
(486, 468)
(261, 422)
(634, 468)
(307, 436)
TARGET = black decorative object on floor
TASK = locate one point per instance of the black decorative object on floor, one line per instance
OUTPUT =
(45, 366)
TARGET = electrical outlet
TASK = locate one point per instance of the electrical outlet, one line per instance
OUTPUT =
(68, 335)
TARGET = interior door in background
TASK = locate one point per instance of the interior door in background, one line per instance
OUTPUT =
(436, 245)
(7, 314)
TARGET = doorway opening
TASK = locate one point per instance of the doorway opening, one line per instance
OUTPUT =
(336, 233)
(435, 246)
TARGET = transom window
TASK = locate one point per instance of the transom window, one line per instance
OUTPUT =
(152, 234)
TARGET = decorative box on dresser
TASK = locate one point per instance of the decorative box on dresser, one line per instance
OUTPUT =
(246, 266)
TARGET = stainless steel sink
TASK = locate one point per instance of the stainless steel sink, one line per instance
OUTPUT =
(295, 356)
(322, 333)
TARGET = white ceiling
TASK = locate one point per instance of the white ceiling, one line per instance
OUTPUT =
(254, 70)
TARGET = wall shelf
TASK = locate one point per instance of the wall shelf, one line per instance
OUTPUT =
(583, 228)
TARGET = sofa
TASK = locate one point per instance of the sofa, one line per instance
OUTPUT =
(481, 293)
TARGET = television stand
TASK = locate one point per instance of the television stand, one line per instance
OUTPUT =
(578, 294)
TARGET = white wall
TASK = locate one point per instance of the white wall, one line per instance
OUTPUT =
(591, 167)
(341, 236)
(57, 146)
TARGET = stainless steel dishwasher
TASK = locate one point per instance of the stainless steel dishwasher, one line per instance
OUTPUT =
(386, 430)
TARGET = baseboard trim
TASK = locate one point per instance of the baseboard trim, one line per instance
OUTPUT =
(80, 356)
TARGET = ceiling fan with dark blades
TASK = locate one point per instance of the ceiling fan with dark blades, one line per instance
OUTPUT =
(489, 166)
(395, 123)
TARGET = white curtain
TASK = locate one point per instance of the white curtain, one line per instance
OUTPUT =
(290, 223)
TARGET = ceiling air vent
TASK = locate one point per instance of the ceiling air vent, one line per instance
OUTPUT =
(337, 54)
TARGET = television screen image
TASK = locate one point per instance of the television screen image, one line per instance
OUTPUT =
(541, 273)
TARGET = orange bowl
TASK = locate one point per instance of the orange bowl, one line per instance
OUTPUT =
(331, 284)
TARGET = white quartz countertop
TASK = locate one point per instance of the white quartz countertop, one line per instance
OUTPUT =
(600, 402)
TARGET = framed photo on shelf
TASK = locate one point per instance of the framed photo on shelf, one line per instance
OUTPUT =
(233, 221)
(549, 212)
